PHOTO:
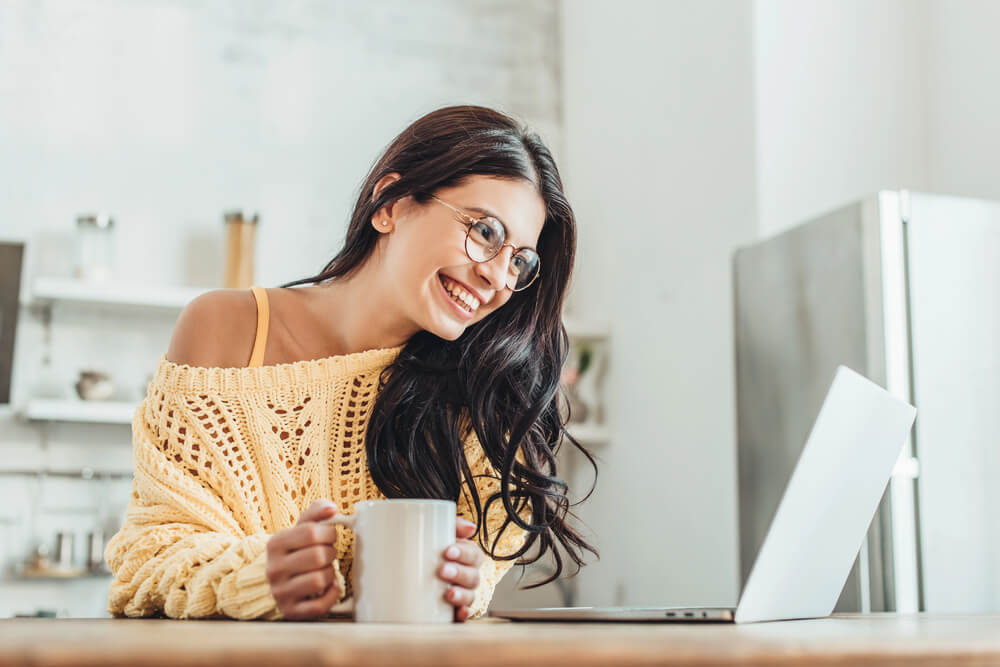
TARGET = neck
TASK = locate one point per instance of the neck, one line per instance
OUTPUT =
(361, 313)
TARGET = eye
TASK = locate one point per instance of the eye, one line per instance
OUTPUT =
(488, 233)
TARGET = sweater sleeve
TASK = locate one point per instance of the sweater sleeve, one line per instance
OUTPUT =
(487, 481)
(191, 545)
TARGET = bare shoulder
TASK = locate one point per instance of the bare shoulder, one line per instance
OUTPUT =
(216, 329)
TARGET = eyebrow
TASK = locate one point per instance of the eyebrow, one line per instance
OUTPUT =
(487, 212)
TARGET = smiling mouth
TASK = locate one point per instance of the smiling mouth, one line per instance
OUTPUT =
(459, 295)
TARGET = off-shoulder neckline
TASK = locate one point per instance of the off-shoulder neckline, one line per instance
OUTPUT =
(171, 375)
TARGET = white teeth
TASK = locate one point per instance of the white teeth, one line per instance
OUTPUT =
(460, 295)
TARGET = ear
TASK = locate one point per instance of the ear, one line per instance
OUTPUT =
(382, 219)
(382, 223)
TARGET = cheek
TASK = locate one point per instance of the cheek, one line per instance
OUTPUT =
(414, 256)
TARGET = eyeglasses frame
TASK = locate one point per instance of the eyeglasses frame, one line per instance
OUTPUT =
(469, 221)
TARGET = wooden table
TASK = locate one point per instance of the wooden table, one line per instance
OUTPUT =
(878, 639)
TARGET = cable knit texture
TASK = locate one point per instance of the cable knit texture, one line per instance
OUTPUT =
(226, 457)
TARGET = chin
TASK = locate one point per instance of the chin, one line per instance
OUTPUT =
(447, 334)
(445, 330)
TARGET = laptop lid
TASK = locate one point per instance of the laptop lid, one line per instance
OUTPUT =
(829, 502)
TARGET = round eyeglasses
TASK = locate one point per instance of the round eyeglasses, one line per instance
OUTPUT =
(484, 239)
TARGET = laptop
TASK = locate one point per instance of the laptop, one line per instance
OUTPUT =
(822, 518)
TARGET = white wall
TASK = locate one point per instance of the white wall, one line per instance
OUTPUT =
(855, 96)
(168, 113)
(659, 140)
(962, 96)
(839, 104)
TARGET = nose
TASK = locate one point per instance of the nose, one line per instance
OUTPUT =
(494, 272)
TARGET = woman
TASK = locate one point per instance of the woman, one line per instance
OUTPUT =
(390, 374)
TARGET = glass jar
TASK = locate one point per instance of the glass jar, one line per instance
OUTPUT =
(94, 247)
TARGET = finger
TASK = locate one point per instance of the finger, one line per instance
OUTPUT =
(458, 596)
(306, 585)
(464, 529)
(460, 575)
(317, 607)
(306, 534)
(308, 559)
(461, 614)
(319, 509)
(465, 552)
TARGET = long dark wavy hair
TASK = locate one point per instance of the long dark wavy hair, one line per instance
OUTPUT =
(501, 377)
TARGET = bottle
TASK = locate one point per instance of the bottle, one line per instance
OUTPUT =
(94, 247)
(95, 551)
(241, 235)
(64, 550)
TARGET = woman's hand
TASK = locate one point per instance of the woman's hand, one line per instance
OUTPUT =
(300, 564)
(461, 569)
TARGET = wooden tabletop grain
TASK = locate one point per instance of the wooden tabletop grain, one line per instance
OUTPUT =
(877, 639)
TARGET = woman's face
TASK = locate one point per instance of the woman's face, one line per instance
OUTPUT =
(422, 251)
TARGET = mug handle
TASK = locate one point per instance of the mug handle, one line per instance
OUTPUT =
(345, 606)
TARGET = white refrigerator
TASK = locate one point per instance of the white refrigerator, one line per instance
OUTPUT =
(903, 287)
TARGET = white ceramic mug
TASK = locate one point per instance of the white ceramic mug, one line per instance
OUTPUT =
(398, 550)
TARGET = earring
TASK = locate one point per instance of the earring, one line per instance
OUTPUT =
(384, 223)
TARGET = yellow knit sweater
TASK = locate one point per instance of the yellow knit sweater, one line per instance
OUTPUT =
(225, 457)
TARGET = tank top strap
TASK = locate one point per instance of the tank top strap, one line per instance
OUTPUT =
(263, 320)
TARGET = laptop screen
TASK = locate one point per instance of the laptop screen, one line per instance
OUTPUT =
(11, 255)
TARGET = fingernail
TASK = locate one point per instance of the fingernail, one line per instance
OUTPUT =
(452, 552)
(449, 570)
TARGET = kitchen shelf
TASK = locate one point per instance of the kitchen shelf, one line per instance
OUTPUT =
(81, 473)
(582, 330)
(48, 291)
(121, 412)
(56, 575)
(589, 435)
(115, 412)
(75, 410)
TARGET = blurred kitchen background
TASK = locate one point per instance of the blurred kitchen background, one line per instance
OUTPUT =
(132, 130)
